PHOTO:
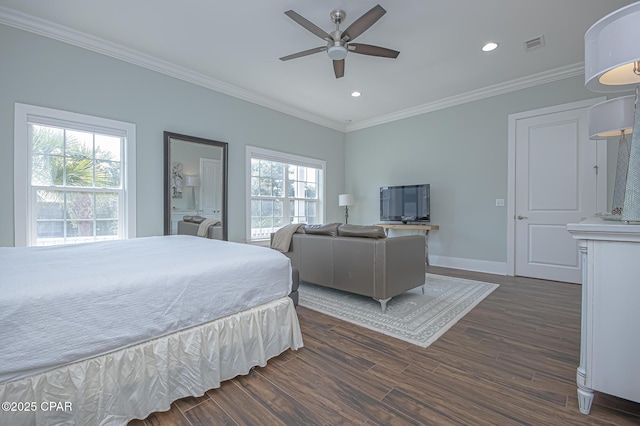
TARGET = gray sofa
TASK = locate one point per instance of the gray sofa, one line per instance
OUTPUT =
(359, 260)
(295, 283)
(214, 232)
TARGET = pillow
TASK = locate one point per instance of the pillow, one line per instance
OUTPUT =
(194, 219)
(361, 231)
(328, 229)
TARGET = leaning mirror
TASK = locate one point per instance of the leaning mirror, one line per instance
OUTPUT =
(195, 186)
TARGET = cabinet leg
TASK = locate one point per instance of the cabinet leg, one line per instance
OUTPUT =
(585, 398)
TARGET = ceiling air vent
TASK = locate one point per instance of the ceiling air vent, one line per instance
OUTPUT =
(534, 43)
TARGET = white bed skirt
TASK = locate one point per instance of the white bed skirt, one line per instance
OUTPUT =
(137, 381)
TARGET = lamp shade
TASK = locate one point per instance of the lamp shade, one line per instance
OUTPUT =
(191, 180)
(611, 50)
(611, 117)
(346, 200)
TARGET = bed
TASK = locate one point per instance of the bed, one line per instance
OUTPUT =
(106, 332)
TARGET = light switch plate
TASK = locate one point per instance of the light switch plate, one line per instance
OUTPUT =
(499, 202)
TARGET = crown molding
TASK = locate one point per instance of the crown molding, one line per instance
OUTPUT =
(475, 95)
(58, 32)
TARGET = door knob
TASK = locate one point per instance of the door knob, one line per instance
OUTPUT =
(522, 217)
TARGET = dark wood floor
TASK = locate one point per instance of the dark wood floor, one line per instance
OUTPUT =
(511, 360)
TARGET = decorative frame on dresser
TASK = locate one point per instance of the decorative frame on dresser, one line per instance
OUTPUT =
(610, 340)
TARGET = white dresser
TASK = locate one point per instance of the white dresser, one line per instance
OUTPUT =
(610, 337)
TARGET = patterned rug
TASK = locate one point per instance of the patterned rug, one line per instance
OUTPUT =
(412, 317)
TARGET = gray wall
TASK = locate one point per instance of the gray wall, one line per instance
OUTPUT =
(41, 71)
(462, 152)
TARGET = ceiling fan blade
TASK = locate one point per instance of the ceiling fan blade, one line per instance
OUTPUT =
(310, 26)
(363, 23)
(304, 53)
(338, 68)
(367, 49)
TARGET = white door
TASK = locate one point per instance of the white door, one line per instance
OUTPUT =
(211, 188)
(559, 179)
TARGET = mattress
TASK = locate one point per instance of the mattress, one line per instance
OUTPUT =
(63, 304)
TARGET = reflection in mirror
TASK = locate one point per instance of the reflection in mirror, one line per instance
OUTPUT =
(195, 184)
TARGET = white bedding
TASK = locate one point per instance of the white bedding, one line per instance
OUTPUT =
(134, 382)
(63, 304)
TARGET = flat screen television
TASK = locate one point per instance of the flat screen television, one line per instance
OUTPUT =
(406, 203)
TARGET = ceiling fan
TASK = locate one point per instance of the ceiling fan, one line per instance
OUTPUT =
(339, 42)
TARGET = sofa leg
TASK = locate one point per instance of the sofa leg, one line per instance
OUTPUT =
(423, 289)
(383, 304)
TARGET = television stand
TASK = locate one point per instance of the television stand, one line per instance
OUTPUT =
(421, 227)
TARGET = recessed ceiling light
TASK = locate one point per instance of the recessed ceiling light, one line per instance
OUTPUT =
(489, 46)
(356, 94)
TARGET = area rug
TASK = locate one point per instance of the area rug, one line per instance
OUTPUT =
(413, 317)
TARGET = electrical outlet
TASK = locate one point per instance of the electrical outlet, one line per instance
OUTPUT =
(499, 202)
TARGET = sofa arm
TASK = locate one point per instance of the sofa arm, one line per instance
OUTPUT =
(400, 265)
(295, 283)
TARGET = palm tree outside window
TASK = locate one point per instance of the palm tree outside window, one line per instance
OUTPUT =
(76, 177)
(77, 182)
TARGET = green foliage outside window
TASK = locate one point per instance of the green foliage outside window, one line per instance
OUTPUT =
(67, 167)
(281, 194)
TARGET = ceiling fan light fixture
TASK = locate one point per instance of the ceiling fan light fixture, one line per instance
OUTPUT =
(337, 53)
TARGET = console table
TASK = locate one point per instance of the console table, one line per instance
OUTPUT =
(610, 342)
(412, 227)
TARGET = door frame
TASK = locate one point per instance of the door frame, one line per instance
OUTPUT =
(601, 181)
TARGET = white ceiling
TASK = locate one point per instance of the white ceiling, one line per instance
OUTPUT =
(234, 47)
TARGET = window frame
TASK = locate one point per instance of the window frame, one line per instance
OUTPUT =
(288, 159)
(24, 193)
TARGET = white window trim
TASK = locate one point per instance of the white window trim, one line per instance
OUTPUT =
(283, 157)
(22, 162)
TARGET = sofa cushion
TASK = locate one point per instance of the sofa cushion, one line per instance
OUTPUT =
(327, 229)
(361, 231)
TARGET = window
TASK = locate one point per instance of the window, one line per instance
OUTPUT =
(282, 189)
(74, 177)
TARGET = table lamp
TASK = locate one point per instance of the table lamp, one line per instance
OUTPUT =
(192, 181)
(346, 200)
(614, 117)
(612, 64)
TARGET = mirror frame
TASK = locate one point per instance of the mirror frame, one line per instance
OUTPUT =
(168, 136)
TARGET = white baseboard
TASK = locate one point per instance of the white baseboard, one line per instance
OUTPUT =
(490, 267)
